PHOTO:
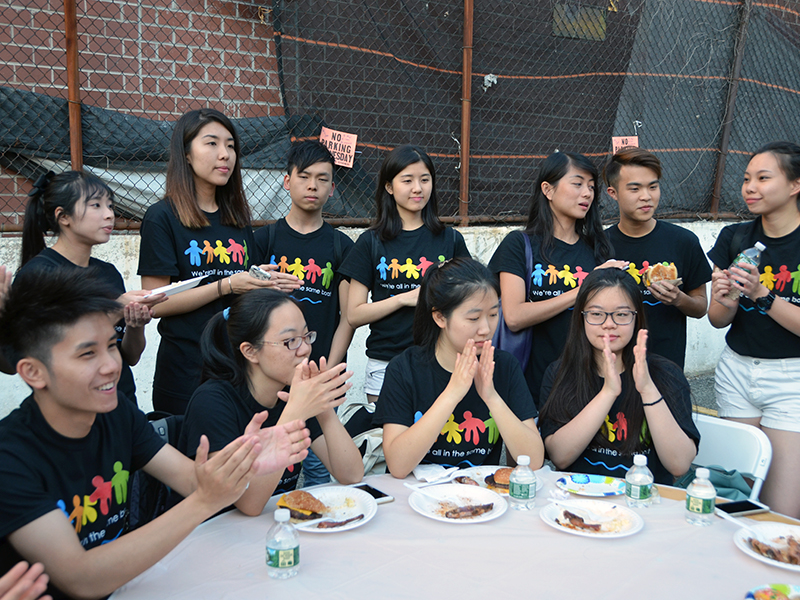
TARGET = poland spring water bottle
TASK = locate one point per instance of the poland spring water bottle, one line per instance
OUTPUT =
(700, 497)
(639, 483)
(283, 547)
(751, 256)
(522, 485)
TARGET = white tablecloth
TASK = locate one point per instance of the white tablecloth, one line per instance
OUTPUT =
(401, 554)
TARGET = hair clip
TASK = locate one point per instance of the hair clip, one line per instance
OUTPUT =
(41, 183)
(226, 313)
(444, 262)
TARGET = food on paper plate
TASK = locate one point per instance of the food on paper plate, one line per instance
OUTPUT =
(498, 481)
(573, 521)
(617, 522)
(661, 272)
(769, 594)
(302, 506)
(469, 511)
(334, 524)
(464, 480)
(785, 549)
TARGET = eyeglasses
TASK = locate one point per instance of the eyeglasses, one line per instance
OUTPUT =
(293, 343)
(598, 317)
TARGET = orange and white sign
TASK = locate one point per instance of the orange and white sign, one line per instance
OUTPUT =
(342, 145)
(618, 142)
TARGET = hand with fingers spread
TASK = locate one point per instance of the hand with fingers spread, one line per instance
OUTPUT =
(641, 372)
(24, 583)
(243, 282)
(314, 390)
(223, 478)
(463, 373)
(281, 445)
(612, 382)
(484, 374)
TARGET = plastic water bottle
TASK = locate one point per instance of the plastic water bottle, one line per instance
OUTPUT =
(700, 497)
(639, 483)
(283, 547)
(522, 485)
(750, 256)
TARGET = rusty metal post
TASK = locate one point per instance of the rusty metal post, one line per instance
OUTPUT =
(730, 105)
(73, 84)
(466, 114)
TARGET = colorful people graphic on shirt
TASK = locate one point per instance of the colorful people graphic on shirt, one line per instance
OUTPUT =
(222, 253)
(567, 276)
(471, 426)
(491, 429)
(208, 251)
(767, 278)
(395, 268)
(782, 278)
(410, 269)
(194, 253)
(382, 268)
(313, 270)
(297, 269)
(283, 265)
(537, 274)
(634, 272)
(327, 275)
(423, 265)
(236, 251)
(553, 272)
(796, 280)
(102, 492)
(120, 483)
(580, 275)
(452, 430)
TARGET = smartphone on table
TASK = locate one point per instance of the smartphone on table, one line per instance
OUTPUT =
(740, 508)
(380, 497)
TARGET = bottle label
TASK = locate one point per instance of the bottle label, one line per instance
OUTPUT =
(743, 258)
(638, 492)
(521, 491)
(283, 559)
(701, 506)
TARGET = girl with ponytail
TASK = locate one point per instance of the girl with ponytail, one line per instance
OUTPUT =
(78, 208)
(251, 352)
(452, 399)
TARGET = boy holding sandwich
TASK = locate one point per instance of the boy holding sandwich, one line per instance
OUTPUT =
(666, 260)
(68, 452)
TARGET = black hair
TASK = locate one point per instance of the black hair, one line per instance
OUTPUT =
(630, 156)
(42, 303)
(577, 379)
(387, 221)
(248, 319)
(788, 156)
(304, 154)
(52, 192)
(540, 215)
(444, 288)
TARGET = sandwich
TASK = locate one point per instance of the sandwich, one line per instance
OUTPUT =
(302, 506)
(498, 481)
(661, 272)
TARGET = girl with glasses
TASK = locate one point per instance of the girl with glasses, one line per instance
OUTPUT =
(251, 352)
(607, 398)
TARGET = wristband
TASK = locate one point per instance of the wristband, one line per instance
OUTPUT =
(219, 287)
(230, 284)
(653, 403)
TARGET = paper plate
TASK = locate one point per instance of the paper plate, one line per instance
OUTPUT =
(625, 522)
(178, 286)
(770, 531)
(774, 591)
(462, 494)
(480, 473)
(591, 485)
(343, 503)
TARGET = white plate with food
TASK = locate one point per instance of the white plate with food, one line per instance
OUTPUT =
(178, 286)
(591, 485)
(781, 546)
(484, 476)
(592, 518)
(329, 509)
(458, 503)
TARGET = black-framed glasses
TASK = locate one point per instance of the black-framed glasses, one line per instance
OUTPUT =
(598, 317)
(293, 343)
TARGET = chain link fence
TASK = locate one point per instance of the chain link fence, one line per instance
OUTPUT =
(701, 82)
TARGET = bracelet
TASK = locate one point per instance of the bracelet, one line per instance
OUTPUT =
(653, 403)
(230, 284)
(219, 287)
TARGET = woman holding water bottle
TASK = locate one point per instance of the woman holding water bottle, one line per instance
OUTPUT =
(758, 375)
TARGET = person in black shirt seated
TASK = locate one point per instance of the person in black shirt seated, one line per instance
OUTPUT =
(451, 398)
(250, 353)
(607, 398)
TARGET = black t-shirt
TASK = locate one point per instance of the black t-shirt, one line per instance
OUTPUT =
(751, 333)
(414, 380)
(87, 478)
(312, 257)
(170, 249)
(601, 460)
(50, 259)
(394, 267)
(671, 244)
(566, 270)
(222, 412)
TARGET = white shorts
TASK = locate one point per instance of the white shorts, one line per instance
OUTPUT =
(373, 382)
(765, 388)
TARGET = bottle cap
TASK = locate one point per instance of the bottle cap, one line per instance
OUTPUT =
(760, 246)
(523, 460)
(702, 473)
(282, 515)
(640, 460)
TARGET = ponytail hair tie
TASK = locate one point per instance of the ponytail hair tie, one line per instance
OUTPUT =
(226, 313)
(41, 184)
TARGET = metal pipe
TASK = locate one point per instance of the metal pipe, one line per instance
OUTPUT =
(466, 113)
(730, 105)
(73, 84)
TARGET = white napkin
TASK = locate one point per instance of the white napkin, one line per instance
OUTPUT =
(430, 473)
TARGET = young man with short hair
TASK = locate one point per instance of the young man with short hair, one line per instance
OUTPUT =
(303, 244)
(68, 452)
(633, 178)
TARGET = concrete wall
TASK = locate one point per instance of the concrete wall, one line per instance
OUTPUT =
(704, 342)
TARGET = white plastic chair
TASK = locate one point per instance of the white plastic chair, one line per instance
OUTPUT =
(733, 445)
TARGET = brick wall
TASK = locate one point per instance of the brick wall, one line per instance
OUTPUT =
(149, 58)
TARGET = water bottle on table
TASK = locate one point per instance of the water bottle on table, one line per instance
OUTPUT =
(522, 485)
(700, 499)
(639, 483)
(283, 547)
